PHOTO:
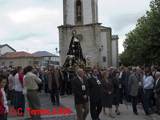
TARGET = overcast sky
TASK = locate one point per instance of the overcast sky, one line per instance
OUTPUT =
(31, 25)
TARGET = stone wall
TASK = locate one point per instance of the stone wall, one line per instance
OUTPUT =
(115, 51)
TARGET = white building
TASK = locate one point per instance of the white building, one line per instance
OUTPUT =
(47, 58)
(96, 40)
(20, 58)
(6, 49)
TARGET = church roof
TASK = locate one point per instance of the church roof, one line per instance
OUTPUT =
(1, 46)
(43, 54)
(115, 37)
(20, 54)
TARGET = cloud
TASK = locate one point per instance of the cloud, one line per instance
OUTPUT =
(32, 24)
(3, 32)
(122, 21)
(32, 14)
(119, 14)
(23, 36)
(35, 43)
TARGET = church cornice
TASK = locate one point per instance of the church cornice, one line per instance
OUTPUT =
(71, 26)
(115, 37)
(104, 27)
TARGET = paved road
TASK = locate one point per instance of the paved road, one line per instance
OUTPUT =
(126, 112)
(68, 101)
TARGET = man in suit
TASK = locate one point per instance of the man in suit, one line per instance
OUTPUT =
(157, 91)
(53, 85)
(80, 90)
(134, 87)
(95, 93)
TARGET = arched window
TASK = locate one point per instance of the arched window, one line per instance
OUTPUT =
(78, 11)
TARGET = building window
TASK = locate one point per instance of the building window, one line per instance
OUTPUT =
(36, 62)
(55, 62)
(78, 11)
(3, 63)
(30, 62)
(11, 63)
(104, 58)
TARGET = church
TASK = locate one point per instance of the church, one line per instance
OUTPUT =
(98, 44)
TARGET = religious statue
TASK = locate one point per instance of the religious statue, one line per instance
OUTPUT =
(74, 55)
(88, 61)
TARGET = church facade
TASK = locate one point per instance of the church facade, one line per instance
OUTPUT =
(98, 45)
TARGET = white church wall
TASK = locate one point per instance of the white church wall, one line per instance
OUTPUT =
(115, 53)
(96, 11)
(103, 46)
(70, 13)
(109, 45)
(87, 11)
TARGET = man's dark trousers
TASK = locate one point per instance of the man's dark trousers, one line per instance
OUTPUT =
(95, 108)
(147, 100)
(54, 96)
(134, 103)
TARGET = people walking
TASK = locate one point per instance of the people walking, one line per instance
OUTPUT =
(31, 84)
(116, 91)
(148, 85)
(134, 87)
(11, 85)
(46, 81)
(107, 100)
(98, 87)
(19, 96)
(95, 93)
(68, 83)
(157, 92)
(53, 85)
(80, 90)
(122, 83)
(61, 82)
(3, 100)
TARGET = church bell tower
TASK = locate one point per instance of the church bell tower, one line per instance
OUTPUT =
(82, 16)
(80, 12)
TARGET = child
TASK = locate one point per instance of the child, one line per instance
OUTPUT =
(3, 99)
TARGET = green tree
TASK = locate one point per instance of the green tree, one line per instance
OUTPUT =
(142, 45)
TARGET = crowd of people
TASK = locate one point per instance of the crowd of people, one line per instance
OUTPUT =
(101, 88)
(111, 87)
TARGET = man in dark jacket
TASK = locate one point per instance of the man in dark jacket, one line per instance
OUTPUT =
(157, 91)
(53, 85)
(95, 92)
(80, 90)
